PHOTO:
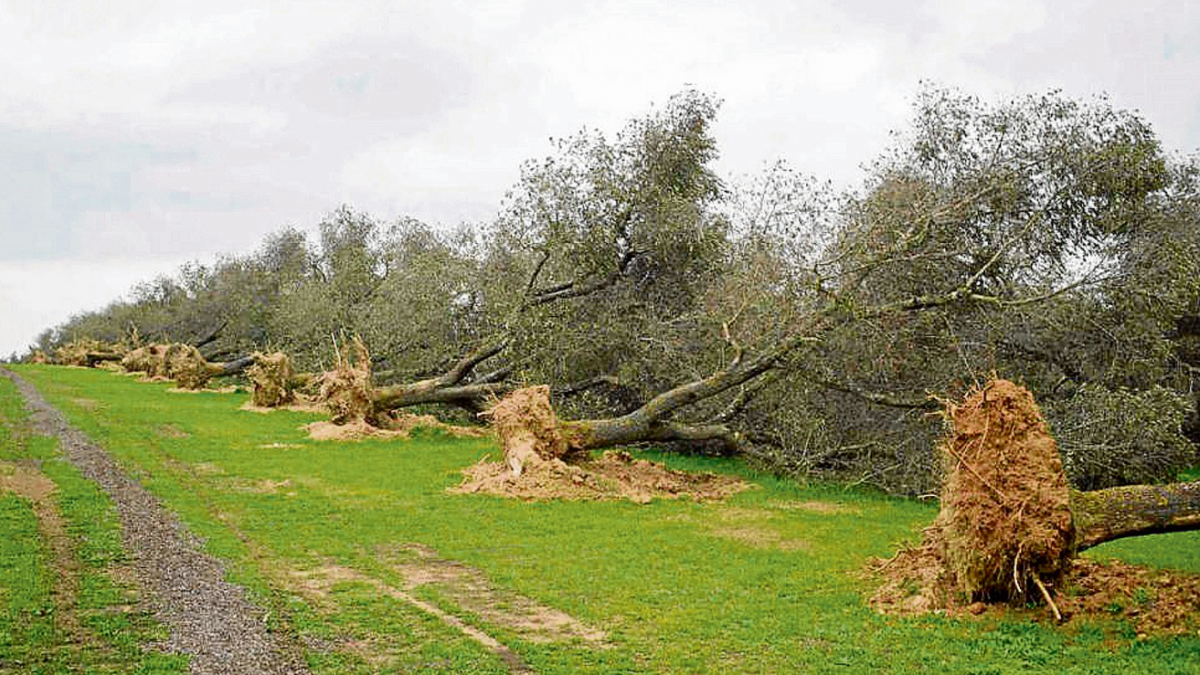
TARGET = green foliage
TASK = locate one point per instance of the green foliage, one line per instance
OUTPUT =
(1046, 239)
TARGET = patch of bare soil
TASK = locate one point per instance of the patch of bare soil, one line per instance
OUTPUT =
(317, 584)
(470, 590)
(1154, 601)
(615, 475)
(28, 482)
(300, 403)
(202, 390)
(397, 424)
(171, 431)
(760, 537)
(87, 403)
(824, 508)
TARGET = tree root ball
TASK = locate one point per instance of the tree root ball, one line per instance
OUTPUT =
(188, 367)
(346, 390)
(527, 427)
(1006, 519)
(271, 378)
(1005, 530)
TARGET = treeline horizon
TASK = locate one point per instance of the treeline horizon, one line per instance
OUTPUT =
(1049, 240)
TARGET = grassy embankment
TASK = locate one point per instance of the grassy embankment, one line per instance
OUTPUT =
(767, 582)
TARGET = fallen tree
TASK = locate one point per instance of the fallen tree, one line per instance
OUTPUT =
(88, 353)
(350, 395)
(1010, 527)
(540, 463)
(180, 362)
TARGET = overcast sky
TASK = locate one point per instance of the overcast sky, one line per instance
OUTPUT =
(135, 136)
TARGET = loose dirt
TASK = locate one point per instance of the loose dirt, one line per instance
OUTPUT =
(614, 475)
(397, 424)
(209, 619)
(25, 480)
(299, 404)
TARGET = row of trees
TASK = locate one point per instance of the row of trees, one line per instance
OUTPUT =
(1048, 240)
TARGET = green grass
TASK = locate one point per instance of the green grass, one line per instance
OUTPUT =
(669, 582)
(111, 632)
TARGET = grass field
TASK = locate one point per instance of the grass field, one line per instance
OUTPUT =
(337, 539)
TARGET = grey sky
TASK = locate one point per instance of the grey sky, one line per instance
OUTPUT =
(137, 135)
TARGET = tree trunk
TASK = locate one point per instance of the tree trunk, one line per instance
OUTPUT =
(93, 358)
(1134, 510)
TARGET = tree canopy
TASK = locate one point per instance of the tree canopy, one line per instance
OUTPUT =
(1050, 240)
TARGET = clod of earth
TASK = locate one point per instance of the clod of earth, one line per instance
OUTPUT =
(271, 378)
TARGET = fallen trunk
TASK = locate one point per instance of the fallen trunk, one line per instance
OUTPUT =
(1134, 510)
(541, 462)
(191, 371)
(349, 392)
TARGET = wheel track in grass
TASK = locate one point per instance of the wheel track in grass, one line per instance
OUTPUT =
(229, 635)
(210, 619)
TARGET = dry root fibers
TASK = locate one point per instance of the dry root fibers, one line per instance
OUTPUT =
(271, 380)
(539, 464)
(346, 390)
(1005, 529)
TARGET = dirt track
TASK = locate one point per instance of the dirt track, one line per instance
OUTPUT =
(209, 619)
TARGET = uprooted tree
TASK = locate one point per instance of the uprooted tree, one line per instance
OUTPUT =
(1009, 524)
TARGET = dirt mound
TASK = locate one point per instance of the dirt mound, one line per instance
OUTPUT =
(539, 464)
(1153, 601)
(615, 475)
(271, 377)
(394, 425)
(346, 390)
(1005, 532)
(304, 404)
(1156, 602)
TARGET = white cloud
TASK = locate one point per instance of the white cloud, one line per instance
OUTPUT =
(38, 295)
(236, 117)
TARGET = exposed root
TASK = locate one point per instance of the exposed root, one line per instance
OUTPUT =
(526, 425)
(1005, 525)
(271, 378)
(540, 464)
(188, 367)
(346, 390)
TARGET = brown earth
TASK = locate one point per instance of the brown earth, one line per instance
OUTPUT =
(397, 424)
(614, 475)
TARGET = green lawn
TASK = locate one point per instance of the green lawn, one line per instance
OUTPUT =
(763, 583)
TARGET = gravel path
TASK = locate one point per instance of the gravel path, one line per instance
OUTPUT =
(210, 619)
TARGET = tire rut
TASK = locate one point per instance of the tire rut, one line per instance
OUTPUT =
(209, 619)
